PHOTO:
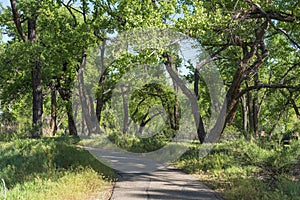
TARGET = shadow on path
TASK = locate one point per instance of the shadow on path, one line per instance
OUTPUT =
(144, 178)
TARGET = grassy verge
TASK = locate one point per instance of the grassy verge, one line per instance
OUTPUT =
(52, 168)
(247, 170)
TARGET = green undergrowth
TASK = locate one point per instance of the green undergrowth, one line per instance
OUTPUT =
(126, 142)
(240, 169)
(51, 168)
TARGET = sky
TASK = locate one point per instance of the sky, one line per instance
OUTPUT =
(5, 3)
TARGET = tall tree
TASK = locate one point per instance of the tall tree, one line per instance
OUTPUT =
(30, 16)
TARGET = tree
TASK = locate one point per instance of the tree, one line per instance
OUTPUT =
(30, 17)
(238, 36)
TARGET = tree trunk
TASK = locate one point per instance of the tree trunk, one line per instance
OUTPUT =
(255, 107)
(95, 123)
(196, 83)
(53, 125)
(250, 109)
(125, 109)
(245, 113)
(99, 104)
(176, 106)
(191, 96)
(100, 95)
(37, 101)
(36, 70)
(66, 94)
(71, 122)
(86, 113)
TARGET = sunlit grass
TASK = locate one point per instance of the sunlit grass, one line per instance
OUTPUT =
(52, 168)
(76, 184)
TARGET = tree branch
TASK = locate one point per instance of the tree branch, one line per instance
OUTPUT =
(17, 20)
(260, 86)
(69, 8)
(211, 56)
(288, 71)
(277, 16)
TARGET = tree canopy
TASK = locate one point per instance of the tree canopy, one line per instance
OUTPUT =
(254, 46)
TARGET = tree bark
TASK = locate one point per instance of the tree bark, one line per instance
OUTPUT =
(84, 98)
(125, 109)
(100, 95)
(53, 124)
(196, 83)
(176, 106)
(250, 109)
(255, 107)
(37, 95)
(71, 122)
(65, 92)
(245, 113)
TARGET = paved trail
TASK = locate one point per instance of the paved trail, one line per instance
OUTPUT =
(143, 178)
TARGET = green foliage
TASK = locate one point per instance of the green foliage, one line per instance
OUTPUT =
(129, 142)
(140, 145)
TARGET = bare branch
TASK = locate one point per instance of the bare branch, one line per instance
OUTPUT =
(70, 11)
(210, 57)
(288, 71)
(17, 19)
(260, 86)
(286, 35)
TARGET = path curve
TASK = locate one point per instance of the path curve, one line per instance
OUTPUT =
(143, 178)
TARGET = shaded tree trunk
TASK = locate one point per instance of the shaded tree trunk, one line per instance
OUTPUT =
(64, 89)
(87, 109)
(196, 83)
(71, 122)
(84, 105)
(66, 96)
(100, 95)
(244, 113)
(125, 109)
(176, 106)
(36, 70)
(53, 124)
(251, 113)
(255, 107)
(37, 95)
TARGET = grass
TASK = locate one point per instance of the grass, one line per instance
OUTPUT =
(52, 168)
(247, 170)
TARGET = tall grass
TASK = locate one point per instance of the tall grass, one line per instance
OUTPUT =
(248, 170)
(52, 168)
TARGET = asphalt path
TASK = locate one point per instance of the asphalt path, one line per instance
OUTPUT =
(144, 178)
